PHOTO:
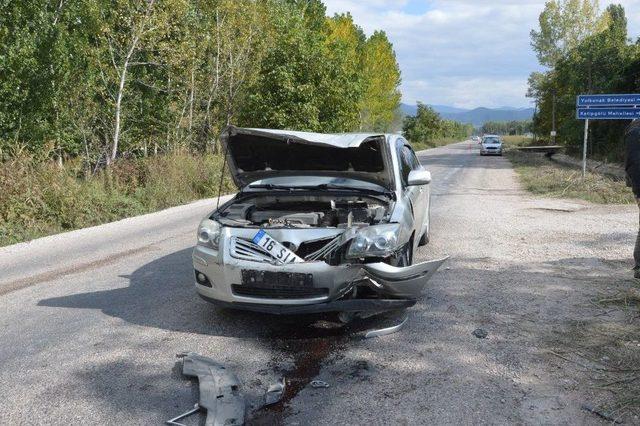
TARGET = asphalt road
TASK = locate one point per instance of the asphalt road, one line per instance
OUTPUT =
(91, 320)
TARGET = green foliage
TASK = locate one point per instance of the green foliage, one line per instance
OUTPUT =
(507, 127)
(381, 74)
(563, 25)
(597, 61)
(88, 78)
(427, 128)
(118, 92)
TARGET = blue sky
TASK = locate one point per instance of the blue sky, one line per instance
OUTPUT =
(464, 53)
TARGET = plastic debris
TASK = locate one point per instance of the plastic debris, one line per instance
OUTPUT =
(219, 391)
(319, 384)
(275, 392)
(385, 331)
(174, 421)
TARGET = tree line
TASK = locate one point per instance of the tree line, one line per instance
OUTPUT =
(102, 80)
(427, 127)
(586, 51)
(514, 127)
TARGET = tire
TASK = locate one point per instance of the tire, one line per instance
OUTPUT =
(426, 237)
(406, 257)
(424, 240)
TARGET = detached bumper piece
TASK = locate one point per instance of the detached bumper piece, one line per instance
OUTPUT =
(348, 305)
(219, 390)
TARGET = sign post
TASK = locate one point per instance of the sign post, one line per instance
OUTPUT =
(584, 148)
(604, 107)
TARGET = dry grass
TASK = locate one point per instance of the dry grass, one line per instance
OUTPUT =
(517, 140)
(610, 351)
(38, 199)
(542, 176)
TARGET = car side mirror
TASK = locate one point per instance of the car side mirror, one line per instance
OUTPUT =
(419, 177)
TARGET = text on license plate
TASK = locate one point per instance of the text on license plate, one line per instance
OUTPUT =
(274, 248)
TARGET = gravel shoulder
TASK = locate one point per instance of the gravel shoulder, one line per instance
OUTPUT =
(97, 344)
(523, 268)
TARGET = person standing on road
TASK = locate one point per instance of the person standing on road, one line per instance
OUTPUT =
(632, 167)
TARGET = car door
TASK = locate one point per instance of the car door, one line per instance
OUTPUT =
(415, 194)
(422, 202)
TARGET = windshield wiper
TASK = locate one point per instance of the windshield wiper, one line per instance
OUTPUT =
(332, 187)
(271, 186)
(323, 187)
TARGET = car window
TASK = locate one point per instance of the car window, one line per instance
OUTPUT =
(491, 140)
(404, 162)
(412, 159)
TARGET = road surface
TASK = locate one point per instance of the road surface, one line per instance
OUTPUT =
(91, 320)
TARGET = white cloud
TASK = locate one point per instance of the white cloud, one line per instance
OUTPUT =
(461, 52)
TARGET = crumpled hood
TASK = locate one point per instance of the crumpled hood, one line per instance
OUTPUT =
(255, 154)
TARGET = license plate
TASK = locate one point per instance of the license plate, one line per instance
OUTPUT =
(275, 280)
(274, 248)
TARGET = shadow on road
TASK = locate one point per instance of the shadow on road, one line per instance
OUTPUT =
(161, 295)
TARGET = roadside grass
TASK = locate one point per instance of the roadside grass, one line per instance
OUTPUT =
(516, 140)
(434, 144)
(38, 199)
(542, 176)
(608, 347)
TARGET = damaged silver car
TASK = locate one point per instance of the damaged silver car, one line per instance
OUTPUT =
(321, 223)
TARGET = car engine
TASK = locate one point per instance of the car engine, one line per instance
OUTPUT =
(308, 212)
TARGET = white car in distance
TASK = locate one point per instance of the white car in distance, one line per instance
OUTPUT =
(491, 145)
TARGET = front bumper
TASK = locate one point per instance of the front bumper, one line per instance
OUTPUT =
(395, 288)
(349, 305)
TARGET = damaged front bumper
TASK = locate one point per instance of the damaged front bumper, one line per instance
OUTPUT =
(305, 287)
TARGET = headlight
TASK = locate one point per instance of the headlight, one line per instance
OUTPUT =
(375, 241)
(209, 234)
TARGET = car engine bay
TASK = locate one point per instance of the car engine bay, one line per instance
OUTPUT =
(305, 212)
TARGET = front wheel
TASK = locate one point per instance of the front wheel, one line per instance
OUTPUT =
(405, 258)
(424, 240)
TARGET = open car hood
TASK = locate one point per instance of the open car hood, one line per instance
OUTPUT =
(255, 154)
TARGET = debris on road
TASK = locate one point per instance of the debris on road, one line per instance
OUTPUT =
(275, 392)
(174, 421)
(219, 390)
(600, 413)
(385, 331)
(319, 384)
(480, 333)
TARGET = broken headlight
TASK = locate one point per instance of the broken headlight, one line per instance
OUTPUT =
(209, 234)
(374, 241)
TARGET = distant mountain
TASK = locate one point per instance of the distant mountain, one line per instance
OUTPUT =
(476, 116)
(479, 116)
(440, 109)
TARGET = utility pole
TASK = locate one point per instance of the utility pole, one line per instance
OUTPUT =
(533, 125)
(553, 119)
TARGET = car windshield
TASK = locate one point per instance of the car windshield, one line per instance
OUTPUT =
(491, 140)
(293, 181)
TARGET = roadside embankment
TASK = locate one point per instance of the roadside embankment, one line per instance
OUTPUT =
(543, 176)
(612, 170)
(40, 198)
